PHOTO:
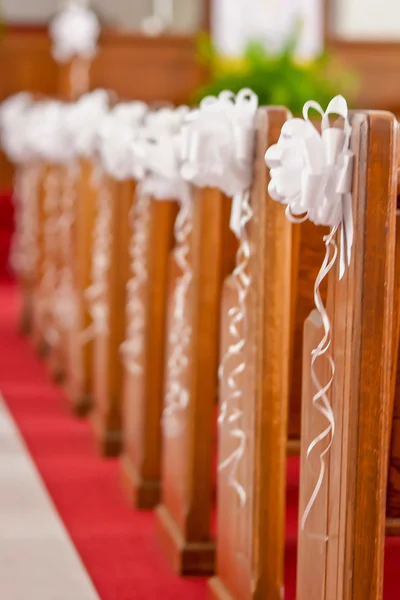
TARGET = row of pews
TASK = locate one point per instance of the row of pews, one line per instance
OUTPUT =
(142, 337)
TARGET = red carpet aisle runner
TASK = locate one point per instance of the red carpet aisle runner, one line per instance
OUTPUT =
(117, 545)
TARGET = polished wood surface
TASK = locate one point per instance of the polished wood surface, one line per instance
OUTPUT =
(184, 517)
(144, 386)
(153, 69)
(361, 321)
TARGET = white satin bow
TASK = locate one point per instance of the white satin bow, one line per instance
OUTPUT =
(84, 119)
(311, 172)
(116, 137)
(74, 32)
(156, 154)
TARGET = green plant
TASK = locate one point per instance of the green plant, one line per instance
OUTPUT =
(277, 79)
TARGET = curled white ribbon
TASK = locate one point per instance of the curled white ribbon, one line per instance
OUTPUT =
(156, 163)
(218, 151)
(24, 252)
(177, 395)
(312, 174)
(48, 283)
(133, 346)
(65, 301)
(96, 293)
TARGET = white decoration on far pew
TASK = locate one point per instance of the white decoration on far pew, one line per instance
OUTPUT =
(13, 120)
(155, 165)
(218, 150)
(311, 173)
(74, 32)
(83, 122)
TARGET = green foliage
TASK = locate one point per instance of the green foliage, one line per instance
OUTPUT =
(277, 79)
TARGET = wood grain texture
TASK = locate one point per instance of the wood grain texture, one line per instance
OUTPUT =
(360, 307)
(184, 517)
(143, 391)
(250, 549)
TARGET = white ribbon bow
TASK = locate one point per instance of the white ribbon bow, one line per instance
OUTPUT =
(74, 32)
(116, 136)
(84, 119)
(311, 172)
(217, 146)
(156, 154)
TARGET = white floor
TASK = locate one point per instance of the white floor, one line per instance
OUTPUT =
(37, 558)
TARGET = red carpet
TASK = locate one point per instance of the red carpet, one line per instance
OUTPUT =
(117, 545)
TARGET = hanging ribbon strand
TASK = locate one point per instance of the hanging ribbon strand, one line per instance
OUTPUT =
(218, 152)
(311, 173)
(132, 348)
(177, 395)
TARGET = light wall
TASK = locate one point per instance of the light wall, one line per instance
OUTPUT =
(366, 20)
(124, 13)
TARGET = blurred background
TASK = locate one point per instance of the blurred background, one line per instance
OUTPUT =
(180, 50)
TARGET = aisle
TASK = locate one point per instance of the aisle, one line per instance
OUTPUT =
(117, 545)
(37, 558)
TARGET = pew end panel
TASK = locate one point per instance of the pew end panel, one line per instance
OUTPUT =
(250, 544)
(360, 309)
(143, 388)
(185, 514)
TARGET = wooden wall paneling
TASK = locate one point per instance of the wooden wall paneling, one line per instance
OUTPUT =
(170, 64)
(184, 516)
(361, 321)
(80, 339)
(250, 543)
(144, 384)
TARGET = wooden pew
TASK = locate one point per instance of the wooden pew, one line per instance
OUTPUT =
(80, 336)
(107, 372)
(350, 507)
(153, 223)
(250, 543)
(184, 516)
